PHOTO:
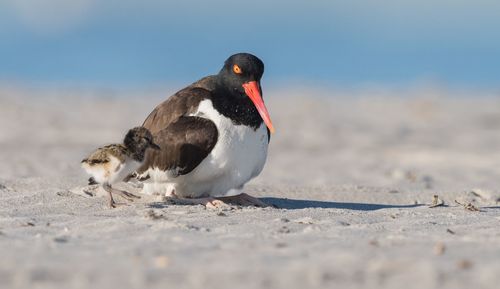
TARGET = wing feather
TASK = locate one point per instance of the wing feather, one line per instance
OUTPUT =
(184, 144)
(184, 140)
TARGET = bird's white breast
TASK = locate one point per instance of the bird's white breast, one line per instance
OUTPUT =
(112, 171)
(238, 156)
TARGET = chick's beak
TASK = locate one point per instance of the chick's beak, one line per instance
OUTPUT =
(252, 90)
(154, 146)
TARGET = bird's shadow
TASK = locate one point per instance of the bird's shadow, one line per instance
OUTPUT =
(292, 204)
(491, 207)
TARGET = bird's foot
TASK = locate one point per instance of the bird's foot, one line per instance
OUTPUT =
(219, 202)
(126, 195)
(209, 203)
(112, 204)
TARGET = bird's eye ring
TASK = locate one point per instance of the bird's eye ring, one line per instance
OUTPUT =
(237, 69)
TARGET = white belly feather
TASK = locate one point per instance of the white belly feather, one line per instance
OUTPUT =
(237, 157)
(113, 171)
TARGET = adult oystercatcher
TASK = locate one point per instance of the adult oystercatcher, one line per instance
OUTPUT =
(213, 137)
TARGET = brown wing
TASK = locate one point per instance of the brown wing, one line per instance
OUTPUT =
(184, 140)
(182, 103)
(184, 144)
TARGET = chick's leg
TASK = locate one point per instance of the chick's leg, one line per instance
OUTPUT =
(107, 188)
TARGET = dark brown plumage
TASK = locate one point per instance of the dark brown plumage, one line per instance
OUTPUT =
(185, 143)
(185, 140)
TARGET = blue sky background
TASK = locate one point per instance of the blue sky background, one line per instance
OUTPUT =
(126, 43)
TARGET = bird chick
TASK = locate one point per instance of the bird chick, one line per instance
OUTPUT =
(113, 163)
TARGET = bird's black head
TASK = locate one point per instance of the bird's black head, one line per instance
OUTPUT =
(137, 141)
(239, 69)
(240, 77)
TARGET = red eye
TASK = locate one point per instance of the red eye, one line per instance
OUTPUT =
(236, 69)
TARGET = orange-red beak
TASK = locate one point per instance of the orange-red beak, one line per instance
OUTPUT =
(252, 89)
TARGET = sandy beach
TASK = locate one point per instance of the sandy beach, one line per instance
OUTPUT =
(351, 176)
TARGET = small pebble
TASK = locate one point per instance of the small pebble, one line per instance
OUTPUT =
(436, 202)
(284, 230)
(60, 240)
(64, 194)
(161, 262)
(281, 245)
(439, 249)
(428, 182)
(153, 215)
(464, 264)
(411, 176)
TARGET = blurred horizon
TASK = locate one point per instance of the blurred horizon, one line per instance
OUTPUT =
(357, 43)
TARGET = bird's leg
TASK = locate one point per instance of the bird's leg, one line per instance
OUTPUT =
(126, 195)
(243, 200)
(107, 188)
